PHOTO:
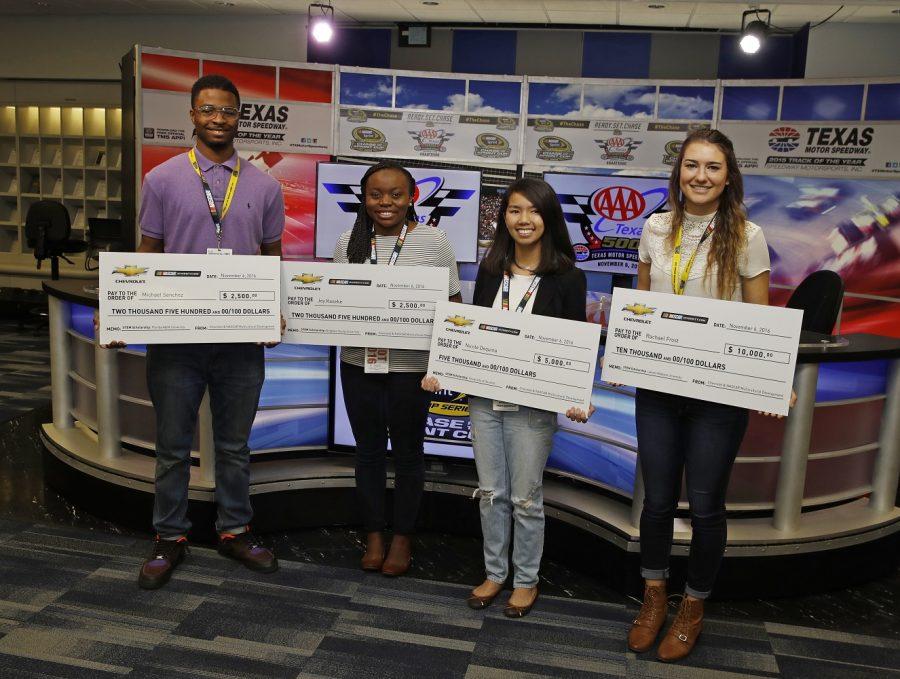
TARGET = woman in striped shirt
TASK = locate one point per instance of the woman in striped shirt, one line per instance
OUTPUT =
(382, 391)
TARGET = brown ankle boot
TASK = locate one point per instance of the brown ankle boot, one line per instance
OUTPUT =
(650, 620)
(374, 556)
(399, 556)
(682, 635)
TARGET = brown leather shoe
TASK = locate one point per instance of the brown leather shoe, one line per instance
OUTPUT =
(399, 557)
(157, 568)
(374, 557)
(244, 547)
(478, 602)
(649, 620)
(682, 635)
(512, 611)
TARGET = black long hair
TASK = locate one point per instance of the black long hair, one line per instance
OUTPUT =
(358, 247)
(557, 254)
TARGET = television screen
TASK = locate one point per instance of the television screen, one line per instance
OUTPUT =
(448, 199)
(606, 214)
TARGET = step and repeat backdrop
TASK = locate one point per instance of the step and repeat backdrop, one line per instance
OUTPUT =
(821, 164)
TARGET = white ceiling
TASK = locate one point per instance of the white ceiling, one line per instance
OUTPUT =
(718, 14)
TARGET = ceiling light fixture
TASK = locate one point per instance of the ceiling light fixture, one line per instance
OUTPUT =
(320, 21)
(753, 32)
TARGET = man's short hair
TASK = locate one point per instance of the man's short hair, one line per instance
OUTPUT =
(214, 82)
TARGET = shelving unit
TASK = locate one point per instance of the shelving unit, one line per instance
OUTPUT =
(70, 154)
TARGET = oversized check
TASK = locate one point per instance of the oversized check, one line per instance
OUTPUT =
(726, 352)
(155, 298)
(358, 305)
(535, 361)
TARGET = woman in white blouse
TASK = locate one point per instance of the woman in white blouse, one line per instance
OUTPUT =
(704, 247)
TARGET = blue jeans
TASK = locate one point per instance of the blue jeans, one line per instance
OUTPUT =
(699, 439)
(177, 376)
(511, 449)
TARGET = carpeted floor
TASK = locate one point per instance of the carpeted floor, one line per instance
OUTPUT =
(69, 607)
(24, 368)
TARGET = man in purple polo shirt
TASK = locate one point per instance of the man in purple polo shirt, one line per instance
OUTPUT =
(176, 217)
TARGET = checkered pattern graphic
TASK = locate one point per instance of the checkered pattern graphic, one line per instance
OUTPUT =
(350, 198)
(577, 210)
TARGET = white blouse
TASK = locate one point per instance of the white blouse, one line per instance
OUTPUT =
(655, 250)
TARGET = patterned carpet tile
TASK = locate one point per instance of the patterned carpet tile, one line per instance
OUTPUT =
(70, 607)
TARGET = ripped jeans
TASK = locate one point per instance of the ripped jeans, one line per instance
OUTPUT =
(511, 449)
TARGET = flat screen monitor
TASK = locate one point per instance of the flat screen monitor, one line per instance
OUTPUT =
(605, 215)
(447, 199)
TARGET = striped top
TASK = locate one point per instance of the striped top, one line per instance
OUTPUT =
(424, 246)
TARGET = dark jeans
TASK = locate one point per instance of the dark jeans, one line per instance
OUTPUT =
(700, 439)
(378, 406)
(177, 376)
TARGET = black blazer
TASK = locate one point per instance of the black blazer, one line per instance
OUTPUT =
(560, 295)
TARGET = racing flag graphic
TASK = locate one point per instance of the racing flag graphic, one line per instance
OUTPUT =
(433, 200)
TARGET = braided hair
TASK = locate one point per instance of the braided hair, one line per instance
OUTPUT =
(361, 236)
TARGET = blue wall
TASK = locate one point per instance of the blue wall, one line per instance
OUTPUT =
(616, 55)
(491, 52)
(353, 47)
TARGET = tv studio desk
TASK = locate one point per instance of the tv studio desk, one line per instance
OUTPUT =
(819, 484)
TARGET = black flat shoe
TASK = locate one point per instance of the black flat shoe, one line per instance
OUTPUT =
(477, 603)
(520, 611)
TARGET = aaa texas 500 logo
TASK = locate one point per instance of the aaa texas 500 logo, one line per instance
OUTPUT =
(611, 220)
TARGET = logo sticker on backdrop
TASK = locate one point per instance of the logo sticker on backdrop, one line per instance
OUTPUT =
(490, 145)
(784, 139)
(507, 123)
(368, 139)
(673, 148)
(430, 140)
(618, 147)
(551, 147)
(355, 115)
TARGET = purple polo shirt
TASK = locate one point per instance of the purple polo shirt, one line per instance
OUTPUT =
(174, 209)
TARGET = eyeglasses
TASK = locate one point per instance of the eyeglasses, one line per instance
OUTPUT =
(209, 111)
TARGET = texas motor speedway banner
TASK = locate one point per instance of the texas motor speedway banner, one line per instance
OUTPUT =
(285, 107)
(439, 135)
(825, 149)
(619, 144)
(264, 125)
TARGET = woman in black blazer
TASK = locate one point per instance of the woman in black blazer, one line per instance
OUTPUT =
(530, 268)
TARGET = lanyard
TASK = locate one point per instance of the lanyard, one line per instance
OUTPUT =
(679, 279)
(229, 194)
(398, 246)
(528, 293)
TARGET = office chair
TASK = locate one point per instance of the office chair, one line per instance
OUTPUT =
(47, 230)
(103, 234)
(819, 296)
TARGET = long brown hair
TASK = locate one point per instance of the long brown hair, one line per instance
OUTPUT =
(731, 217)
(557, 254)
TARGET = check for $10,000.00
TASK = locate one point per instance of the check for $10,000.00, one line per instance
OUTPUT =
(726, 352)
